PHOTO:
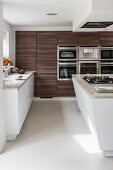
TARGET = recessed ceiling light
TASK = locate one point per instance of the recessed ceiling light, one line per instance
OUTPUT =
(51, 14)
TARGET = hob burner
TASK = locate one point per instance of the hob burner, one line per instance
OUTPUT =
(98, 79)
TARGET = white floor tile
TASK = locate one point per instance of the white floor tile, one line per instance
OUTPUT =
(48, 141)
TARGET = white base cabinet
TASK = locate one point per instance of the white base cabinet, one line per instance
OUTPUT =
(17, 102)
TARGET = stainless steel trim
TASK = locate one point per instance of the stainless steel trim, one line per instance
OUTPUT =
(106, 48)
(67, 60)
(67, 64)
(106, 64)
(66, 48)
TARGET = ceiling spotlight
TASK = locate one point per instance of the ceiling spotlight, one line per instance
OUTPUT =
(51, 14)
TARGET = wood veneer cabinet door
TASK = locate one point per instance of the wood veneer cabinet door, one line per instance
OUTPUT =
(46, 85)
(67, 38)
(26, 50)
(89, 38)
(47, 52)
(65, 88)
(106, 38)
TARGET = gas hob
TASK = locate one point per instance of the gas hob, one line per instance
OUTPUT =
(98, 79)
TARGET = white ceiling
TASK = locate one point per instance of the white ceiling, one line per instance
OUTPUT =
(33, 12)
(71, 13)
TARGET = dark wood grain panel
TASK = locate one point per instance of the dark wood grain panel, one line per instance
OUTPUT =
(67, 38)
(46, 85)
(26, 50)
(88, 38)
(106, 38)
(46, 65)
(47, 52)
(46, 37)
(65, 88)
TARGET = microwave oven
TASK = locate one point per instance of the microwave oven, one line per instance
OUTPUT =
(67, 53)
(88, 53)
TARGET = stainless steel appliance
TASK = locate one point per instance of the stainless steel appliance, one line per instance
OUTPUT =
(106, 68)
(88, 67)
(98, 79)
(88, 53)
(65, 70)
(67, 53)
(106, 54)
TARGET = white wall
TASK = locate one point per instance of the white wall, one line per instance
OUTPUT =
(2, 125)
(9, 28)
(42, 28)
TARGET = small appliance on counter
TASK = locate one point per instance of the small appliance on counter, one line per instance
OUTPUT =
(17, 70)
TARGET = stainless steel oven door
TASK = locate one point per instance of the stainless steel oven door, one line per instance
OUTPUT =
(67, 54)
(106, 68)
(88, 53)
(65, 70)
(106, 54)
(88, 67)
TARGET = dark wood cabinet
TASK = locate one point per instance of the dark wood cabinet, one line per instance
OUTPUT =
(47, 52)
(46, 85)
(88, 38)
(65, 88)
(46, 64)
(26, 50)
(106, 38)
(67, 38)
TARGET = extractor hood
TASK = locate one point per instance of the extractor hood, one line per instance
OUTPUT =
(97, 24)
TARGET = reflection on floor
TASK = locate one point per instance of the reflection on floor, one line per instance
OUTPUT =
(54, 137)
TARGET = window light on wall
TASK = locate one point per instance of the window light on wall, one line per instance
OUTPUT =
(5, 43)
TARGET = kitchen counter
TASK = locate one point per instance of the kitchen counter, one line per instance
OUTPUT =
(91, 89)
(16, 80)
(97, 110)
(18, 94)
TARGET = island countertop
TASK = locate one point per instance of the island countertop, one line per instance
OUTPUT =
(16, 80)
(91, 89)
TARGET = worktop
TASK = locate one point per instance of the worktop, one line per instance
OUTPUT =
(97, 110)
(91, 88)
(16, 80)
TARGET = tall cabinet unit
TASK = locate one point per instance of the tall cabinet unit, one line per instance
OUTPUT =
(46, 81)
(66, 38)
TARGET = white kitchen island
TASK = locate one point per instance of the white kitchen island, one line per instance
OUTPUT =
(97, 110)
(18, 95)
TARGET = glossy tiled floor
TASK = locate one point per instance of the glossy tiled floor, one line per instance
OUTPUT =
(54, 137)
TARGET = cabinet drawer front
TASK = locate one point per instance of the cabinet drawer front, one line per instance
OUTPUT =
(88, 38)
(65, 88)
(46, 85)
(106, 38)
(67, 38)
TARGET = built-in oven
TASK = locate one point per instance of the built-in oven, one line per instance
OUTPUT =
(67, 53)
(88, 67)
(88, 53)
(106, 68)
(106, 54)
(65, 70)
